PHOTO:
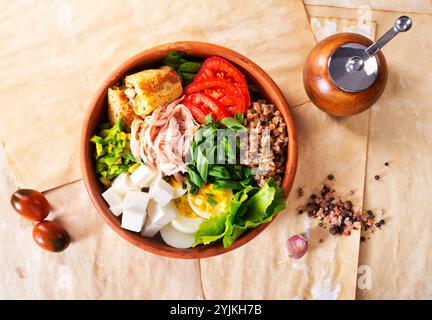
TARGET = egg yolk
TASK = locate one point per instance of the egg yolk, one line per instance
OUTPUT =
(184, 208)
(210, 200)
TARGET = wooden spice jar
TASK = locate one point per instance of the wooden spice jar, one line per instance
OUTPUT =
(346, 73)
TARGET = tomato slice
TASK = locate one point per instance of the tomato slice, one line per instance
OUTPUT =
(219, 68)
(199, 113)
(222, 90)
(204, 103)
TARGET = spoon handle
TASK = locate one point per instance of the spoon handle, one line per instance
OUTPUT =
(402, 24)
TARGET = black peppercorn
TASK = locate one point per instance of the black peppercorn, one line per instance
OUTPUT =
(300, 192)
(335, 229)
(348, 205)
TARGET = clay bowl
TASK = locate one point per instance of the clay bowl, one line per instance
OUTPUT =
(96, 114)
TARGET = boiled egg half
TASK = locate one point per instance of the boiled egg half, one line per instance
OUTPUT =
(187, 220)
(208, 201)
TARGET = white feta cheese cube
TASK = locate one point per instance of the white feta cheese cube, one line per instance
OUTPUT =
(123, 184)
(143, 176)
(116, 210)
(161, 191)
(134, 210)
(157, 217)
(114, 200)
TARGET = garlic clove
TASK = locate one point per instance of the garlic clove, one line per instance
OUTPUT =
(297, 246)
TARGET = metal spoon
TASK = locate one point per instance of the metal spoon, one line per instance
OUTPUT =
(357, 63)
(402, 24)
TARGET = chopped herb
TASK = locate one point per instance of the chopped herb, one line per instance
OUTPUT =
(233, 124)
(210, 199)
(184, 65)
(205, 166)
(208, 119)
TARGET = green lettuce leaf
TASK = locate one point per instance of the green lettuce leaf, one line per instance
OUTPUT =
(216, 227)
(249, 208)
(211, 230)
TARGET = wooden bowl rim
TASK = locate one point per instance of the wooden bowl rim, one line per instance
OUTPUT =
(197, 49)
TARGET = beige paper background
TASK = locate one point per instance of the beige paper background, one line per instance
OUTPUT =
(421, 6)
(97, 265)
(333, 280)
(400, 132)
(57, 53)
(322, 27)
(260, 269)
(328, 270)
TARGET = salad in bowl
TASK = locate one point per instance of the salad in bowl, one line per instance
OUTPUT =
(188, 154)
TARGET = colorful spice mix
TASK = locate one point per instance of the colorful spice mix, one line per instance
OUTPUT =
(341, 216)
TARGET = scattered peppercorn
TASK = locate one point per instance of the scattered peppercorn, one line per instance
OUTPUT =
(330, 177)
(362, 238)
(377, 177)
(300, 211)
(300, 192)
(379, 223)
(339, 215)
(348, 205)
(334, 230)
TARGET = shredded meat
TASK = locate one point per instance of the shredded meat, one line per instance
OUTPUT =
(162, 139)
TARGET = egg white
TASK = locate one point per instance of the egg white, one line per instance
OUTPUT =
(175, 238)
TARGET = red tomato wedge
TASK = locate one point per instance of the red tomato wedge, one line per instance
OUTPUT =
(219, 68)
(205, 104)
(223, 91)
(199, 113)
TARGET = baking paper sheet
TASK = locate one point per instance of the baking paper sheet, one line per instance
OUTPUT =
(261, 269)
(400, 133)
(396, 262)
(98, 264)
(55, 54)
(323, 27)
(420, 6)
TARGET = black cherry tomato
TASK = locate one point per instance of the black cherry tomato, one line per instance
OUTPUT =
(30, 204)
(51, 236)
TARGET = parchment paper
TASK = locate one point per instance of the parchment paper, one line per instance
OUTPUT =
(396, 263)
(55, 54)
(261, 269)
(421, 6)
(328, 270)
(97, 265)
(92, 273)
(323, 27)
